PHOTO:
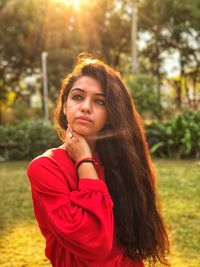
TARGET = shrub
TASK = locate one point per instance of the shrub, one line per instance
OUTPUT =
(26, 140)
(143, 92)
(177, 138)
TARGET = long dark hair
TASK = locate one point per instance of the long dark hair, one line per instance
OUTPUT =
(128, 168)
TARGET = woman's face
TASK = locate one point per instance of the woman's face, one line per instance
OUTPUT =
(85, 107)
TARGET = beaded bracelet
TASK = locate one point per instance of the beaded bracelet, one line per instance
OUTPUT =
(79, 162)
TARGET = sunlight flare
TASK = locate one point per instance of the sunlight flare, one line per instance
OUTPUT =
(76, 3)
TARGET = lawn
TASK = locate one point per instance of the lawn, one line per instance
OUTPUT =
(21, 244)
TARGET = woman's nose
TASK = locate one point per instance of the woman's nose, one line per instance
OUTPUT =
(86, 106)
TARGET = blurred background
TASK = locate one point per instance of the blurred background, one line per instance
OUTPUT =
(155, 45)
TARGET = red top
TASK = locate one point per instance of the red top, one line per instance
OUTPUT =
(75, 216)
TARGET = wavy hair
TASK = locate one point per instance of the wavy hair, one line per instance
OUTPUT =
(129, 172)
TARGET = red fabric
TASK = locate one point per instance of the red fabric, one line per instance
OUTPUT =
(75, 217)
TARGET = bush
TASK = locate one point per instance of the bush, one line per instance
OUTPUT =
(26, 140)
(177, 138)
(143, 92)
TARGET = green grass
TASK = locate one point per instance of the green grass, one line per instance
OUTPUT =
(21, 244)
(179, 189)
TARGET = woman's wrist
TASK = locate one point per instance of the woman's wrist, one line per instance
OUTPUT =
(84, 160)
(85, 168)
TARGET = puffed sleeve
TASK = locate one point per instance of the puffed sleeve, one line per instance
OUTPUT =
(81, 220)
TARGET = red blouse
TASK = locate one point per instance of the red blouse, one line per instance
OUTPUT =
(75, 216)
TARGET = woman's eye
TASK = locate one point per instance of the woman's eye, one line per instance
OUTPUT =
(77, 97)
(100, 101)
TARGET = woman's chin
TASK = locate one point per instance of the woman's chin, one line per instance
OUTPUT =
(82, 130)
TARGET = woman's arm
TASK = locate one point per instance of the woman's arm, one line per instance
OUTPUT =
(86, 169)
(81, 220)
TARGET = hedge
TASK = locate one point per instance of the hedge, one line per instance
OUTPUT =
(176, 138)
(26, 140)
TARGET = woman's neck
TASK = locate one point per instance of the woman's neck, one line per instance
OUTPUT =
(91, 143)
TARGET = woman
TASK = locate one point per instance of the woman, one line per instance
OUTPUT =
(94, 197)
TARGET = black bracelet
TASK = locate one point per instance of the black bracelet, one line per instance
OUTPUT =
(84, 160)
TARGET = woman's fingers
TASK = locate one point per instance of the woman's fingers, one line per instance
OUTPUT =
(76, 145)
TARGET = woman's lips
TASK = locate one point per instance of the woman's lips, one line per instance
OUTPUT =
(84, 119)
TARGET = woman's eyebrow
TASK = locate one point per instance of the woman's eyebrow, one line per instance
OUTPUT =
(83, 91)
(77, 88)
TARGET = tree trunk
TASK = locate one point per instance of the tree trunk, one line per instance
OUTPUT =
(195, 104)
(179, 88)
(187, 94)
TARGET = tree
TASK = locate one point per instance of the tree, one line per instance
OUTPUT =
(171, 26)
(57, 28)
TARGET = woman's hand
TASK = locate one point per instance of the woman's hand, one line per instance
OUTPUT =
(76, 145)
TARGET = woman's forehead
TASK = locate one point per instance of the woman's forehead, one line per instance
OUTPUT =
(89, 84)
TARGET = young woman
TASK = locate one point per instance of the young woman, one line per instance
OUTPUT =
(94, 197)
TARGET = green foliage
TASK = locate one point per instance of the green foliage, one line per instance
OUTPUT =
(143, 91)
(171, 27)
(59, 29)
(26, 140)
(177, 138)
